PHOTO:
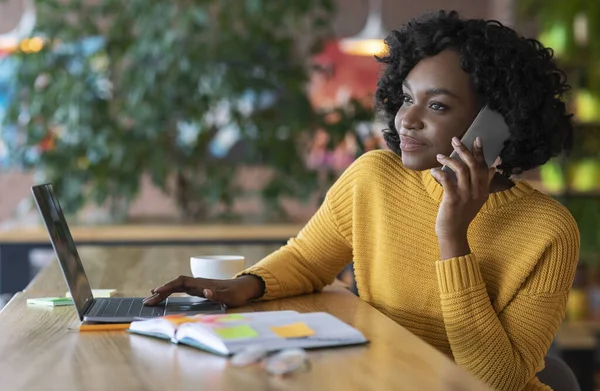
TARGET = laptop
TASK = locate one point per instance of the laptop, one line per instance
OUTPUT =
(103, 310)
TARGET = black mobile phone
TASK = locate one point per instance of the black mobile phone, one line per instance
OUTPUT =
(490, 126)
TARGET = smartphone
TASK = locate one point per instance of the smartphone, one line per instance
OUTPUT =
(490, 126)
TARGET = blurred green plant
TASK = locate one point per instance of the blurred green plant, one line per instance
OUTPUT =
(166, 88)
(585, 208)
(571, 29)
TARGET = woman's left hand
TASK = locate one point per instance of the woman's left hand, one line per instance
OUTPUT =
(462, 199)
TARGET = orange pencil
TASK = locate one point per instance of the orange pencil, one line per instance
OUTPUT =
(104, 327)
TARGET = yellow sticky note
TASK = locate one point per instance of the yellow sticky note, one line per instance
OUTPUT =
(294, 330)
(235, 332)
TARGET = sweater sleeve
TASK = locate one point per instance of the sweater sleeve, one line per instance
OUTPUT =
(312, 259)
(506, 349)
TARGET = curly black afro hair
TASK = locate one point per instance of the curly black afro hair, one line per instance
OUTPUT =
(515, 76)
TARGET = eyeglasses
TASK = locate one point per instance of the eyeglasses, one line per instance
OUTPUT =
(281, 363)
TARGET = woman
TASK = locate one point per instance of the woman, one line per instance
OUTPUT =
(479, 268)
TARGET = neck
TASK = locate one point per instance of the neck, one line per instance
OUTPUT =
(500, 183)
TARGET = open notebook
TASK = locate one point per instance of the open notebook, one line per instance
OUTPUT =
(227, 334)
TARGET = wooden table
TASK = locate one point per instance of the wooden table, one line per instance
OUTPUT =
(41, 348)
(17, 242)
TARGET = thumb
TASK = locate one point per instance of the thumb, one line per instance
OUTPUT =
(218, 295)
(209, 294)
(491, 173)
(224, 296)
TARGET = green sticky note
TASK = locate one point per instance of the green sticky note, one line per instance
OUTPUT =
(235, 332)
(51, 301)
(230, 318)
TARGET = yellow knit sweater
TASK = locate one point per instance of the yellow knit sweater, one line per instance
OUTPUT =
(494, 311)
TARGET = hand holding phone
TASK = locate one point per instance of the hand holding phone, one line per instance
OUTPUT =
(492, 130)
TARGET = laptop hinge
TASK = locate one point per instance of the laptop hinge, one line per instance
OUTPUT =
(86, 308)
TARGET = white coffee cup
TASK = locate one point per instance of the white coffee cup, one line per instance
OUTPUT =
(217, 266)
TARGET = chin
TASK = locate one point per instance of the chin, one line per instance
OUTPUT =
(418, 163)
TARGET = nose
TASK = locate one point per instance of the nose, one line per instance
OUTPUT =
(409, 118)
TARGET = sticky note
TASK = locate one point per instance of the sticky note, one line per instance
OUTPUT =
(99, 293)
(229, 318)
(235, 332)
(180, 319)
(294, 330)
(51, 301)
(177, 319)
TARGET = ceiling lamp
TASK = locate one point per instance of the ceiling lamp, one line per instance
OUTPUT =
(369, 41)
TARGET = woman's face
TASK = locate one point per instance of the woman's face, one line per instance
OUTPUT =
(439, 104)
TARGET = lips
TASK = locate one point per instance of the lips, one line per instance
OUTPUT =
(408, 143)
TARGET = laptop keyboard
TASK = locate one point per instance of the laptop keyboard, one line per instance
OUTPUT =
(118, 308)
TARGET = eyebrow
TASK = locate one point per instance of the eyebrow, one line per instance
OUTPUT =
(433, 91)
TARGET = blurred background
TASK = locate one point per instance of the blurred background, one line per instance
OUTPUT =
(239, 112)
(184, 112)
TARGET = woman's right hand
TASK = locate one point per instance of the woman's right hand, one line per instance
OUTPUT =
(233, 293)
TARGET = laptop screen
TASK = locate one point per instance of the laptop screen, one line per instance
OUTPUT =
(64, 246)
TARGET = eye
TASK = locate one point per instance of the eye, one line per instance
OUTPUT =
(437, 106)
(405, 99)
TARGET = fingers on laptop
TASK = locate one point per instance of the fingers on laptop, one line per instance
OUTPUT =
(191, 286)
(152, 300)
(220, 295)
